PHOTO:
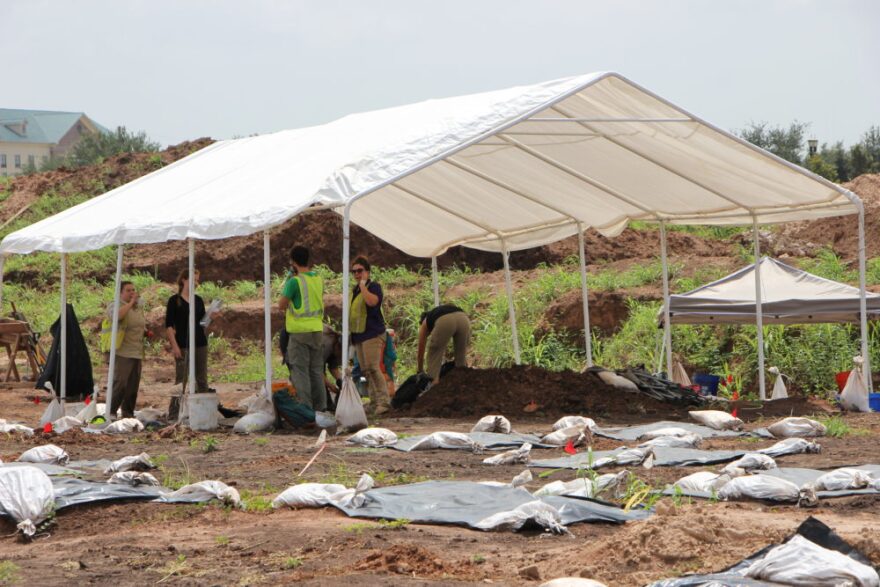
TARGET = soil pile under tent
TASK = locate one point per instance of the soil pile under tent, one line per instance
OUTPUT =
(498, 171)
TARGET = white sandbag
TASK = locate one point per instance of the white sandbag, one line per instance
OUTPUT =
(353, 498)
(26, 495)
(141, 462)
(307, 495)
(796, 428)
(325, 420)
(571, 582)
(702, 481)
(133, 479)
(205, 491)
(89, 412)
(447, 440)
(613, 484)
(65, 423)
(123, 426)
(791, 446)
(669, 431)
(779, 390)
(523, 478)
(760, 487)
(256, 422)
(16, 429)
(575, 421)
(749, 462)
(622, 383)
(543, 514)
(686, 441)
(149, 415)
(52, 412)
(854, 396)
(843, 478)
(803, 562)
(517, 456)
(492, 423)
(373, 437)
(577, 435)
(717, 420)
(679, 375)
(628, 457)
(350, 413)
(48, 454)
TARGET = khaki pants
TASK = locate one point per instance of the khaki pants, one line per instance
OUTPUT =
(181, 370)
(305, 354)
(455, 327)
(126, 380)
(369, 356)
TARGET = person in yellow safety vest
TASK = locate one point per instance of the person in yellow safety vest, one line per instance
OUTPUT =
(302, 301)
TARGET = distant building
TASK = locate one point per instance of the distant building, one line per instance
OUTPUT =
(28, 138)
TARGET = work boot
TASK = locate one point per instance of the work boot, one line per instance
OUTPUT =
(381, 409)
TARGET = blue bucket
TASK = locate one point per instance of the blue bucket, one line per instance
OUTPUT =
(708, 383)
(874, 402)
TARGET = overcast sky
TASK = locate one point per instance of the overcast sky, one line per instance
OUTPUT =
(185, 69)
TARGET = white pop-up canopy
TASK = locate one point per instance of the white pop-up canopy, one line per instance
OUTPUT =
(500, 171)
(788, 296)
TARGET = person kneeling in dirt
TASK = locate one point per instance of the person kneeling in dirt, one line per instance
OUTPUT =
(302, 301)
(297, 414)
(438, 327)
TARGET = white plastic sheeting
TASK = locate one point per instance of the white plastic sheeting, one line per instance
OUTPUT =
(492, 423)
(373, 437)
(205, 491)
(802, 562)
(453, 440)
(717, 419)
(543, 514)
(760, 487)
(797, 427)
(48, 454)
(141, 462)
(517, 456)
(26, 495)
(134, 479)
(528, 163)
(579, 421)
(791, 446)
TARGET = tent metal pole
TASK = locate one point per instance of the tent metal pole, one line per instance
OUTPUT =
(759, 310)
(346, 295)
(63, 382)
(191, 338)
(863, 303)
(667, 325)
(435, 279)
(511, 310)
(267, 310)
(588, 343)
(2, 263)
(114, 332)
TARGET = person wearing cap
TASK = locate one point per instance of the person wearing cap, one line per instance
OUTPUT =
(438, 326)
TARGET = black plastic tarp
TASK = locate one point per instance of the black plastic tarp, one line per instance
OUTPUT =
(811, 529)
(663, 457)
(636, 432)
(80, 382)
(488, 440)
(465, 503)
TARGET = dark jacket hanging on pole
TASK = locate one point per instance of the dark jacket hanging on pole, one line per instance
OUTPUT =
(79, 365)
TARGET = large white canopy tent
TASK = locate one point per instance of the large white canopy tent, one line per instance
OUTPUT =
(498, 171)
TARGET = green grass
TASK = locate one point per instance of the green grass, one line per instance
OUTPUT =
(837, 427)
(9, 573)
(256, 502)
(360, 527)
(291, 562)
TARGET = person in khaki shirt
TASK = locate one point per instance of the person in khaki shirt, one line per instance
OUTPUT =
(130, 352)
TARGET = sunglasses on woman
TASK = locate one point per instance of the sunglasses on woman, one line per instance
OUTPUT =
(357, 270)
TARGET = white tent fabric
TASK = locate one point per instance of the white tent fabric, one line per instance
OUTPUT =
(526, 164)
(788, 296)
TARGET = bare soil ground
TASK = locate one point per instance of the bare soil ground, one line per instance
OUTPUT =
(138, 543)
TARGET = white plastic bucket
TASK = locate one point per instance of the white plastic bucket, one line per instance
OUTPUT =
(202, 409)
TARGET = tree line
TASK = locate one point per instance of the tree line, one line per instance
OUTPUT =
(833, 161)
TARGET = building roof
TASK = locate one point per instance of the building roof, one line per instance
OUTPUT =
(38, 126)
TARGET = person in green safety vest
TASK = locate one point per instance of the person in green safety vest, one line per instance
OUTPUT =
(302, 301)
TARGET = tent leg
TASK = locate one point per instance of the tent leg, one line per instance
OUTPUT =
(759, 311)
(267, 310)
(435, 280)
(863, 303)
(346, 301)
(114, 331)
(667, 325)
(588, 343)
(511, 310)
(191, 338)
(2, 263)
(63, 381)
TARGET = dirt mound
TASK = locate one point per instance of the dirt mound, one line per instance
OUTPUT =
(411, 560)
(477, 392)
(840, 233)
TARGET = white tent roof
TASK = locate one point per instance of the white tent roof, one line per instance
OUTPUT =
(526, 164)
(788, 296)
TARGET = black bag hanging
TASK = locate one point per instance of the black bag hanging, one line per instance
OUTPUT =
(80, 382)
